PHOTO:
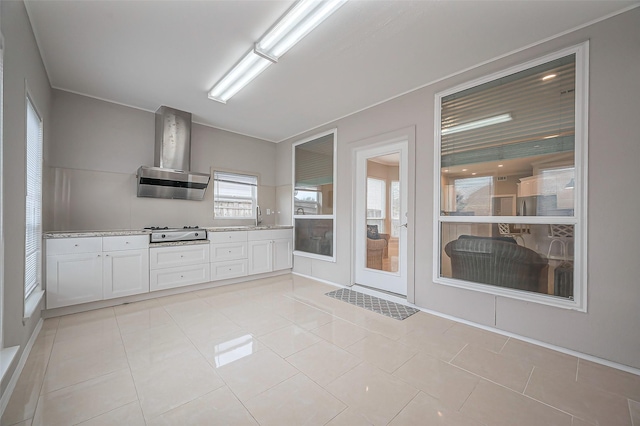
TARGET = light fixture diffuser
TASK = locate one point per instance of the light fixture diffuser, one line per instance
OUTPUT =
(502, 118)
(299, 21)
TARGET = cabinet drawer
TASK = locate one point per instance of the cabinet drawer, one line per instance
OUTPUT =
(230, 269)
(227, 237)
(161, 279)
(74, 245)
(230, 251)
(129, 242)
(270, 234)
(167, 257)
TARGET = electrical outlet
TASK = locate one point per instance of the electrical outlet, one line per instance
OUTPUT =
(268, 212)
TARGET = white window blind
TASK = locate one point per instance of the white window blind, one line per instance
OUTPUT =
(376, 200)
(234, 195)
(33, 234)
(541, 116)
(314, 163)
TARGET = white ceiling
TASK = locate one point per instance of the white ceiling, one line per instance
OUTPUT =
(150, 53)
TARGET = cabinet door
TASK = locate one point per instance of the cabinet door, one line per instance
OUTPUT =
(260, 257)
(282, 254)
(125, 273)
(73, 279)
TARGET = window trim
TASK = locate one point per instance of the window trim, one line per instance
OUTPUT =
(579, 219)
(254, 200)
(332, 216)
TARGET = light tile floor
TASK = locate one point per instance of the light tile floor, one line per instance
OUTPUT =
(278, 351)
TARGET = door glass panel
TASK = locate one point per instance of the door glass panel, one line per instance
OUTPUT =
(383, 212)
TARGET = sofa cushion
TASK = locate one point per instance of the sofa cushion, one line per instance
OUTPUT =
(372, 232)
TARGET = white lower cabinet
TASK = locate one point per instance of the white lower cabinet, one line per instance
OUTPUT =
(270, 250)
(81, 270)
(178, 266)
(282, 254)
(89, 269)
(73, 278)
(125, 272)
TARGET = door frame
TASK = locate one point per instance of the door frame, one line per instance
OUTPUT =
(407, 134)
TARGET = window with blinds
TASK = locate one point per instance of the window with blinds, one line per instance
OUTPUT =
(235, 196)
(520, 136)
(33, 218)
(376, 203)
(314, 195)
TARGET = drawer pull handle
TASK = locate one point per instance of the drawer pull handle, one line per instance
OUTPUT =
(181, 276)
(75, 245)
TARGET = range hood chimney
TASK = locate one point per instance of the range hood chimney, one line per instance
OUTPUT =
(170, 177)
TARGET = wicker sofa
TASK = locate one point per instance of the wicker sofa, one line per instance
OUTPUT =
(497, 261)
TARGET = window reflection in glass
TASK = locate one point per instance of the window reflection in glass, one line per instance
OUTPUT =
(511, 136)
(314, 177)
(531, 257)
(314, 236)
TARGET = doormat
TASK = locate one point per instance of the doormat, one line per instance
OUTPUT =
(372, 303)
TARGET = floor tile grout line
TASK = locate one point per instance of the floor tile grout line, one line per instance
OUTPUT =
(516, 392)
(405, 405)
(528, 380)
(456, 355)
(505, 344)
(133, 380)
(467, 398)
(39, 395)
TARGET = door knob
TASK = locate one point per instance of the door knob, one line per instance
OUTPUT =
(404, 225)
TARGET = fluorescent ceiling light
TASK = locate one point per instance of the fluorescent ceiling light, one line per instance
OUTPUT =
(477, 124)
(247, 69)
(300, 21)
(292, 27)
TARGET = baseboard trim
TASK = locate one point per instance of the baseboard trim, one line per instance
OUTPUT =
(6, 396)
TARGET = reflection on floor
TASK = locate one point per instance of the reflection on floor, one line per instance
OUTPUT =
(278, 351)
(390, 263)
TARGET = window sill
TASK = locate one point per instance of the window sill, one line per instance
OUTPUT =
(7, 355)
(315, 256)
(32, 303)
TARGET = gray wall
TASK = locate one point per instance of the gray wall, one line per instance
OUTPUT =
(609, 328)
(97, 147)
(22, 63)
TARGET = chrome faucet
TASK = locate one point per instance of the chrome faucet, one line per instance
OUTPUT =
(258, 216)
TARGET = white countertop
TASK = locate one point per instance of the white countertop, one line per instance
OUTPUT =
(124, 232)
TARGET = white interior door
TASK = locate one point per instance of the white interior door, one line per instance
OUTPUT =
(381, 193)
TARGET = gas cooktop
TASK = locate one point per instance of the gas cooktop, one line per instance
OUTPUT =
(161, 234)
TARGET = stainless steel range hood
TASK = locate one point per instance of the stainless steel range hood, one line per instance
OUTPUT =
(170, 177)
